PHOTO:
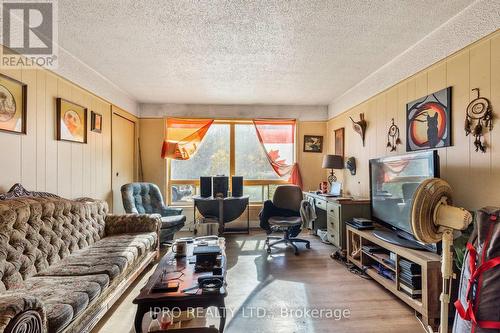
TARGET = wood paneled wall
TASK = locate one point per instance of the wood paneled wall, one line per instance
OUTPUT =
(40, 162)
(474, 176)
(154, 168)
(310, 163)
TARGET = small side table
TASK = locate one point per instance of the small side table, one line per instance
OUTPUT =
(222, 210)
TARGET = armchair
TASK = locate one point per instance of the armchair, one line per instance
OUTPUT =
(146, 198)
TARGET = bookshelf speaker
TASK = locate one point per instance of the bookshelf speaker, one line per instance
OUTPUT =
(220, 186)
(237, 186)
(205, 186)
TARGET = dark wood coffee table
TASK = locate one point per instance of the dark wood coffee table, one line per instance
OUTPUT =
(179, 300)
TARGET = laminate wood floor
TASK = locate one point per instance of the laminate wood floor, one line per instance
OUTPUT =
(284, 293)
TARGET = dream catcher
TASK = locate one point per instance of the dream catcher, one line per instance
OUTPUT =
(393, 136)
(479, 113)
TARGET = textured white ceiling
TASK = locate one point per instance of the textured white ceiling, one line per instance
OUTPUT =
(244, 52)
(473, 23)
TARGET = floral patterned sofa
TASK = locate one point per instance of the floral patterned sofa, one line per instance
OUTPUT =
(63, 263)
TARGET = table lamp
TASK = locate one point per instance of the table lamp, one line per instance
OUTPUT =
(333, 162)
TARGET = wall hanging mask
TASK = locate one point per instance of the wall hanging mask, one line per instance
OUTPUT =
(478, 117)
(360, 126)
(393, 136)
(350, 165)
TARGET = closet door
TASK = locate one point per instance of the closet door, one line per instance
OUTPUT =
(123, 153)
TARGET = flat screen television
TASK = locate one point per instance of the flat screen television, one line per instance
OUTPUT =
(393, 181)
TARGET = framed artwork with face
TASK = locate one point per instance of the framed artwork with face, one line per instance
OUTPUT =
(13, 96)
(71, 121)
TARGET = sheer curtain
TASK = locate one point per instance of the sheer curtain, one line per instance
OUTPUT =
(184, 137)
(277, 137)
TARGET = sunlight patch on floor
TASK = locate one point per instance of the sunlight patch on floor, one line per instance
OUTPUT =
(250, 245)
(273, 303)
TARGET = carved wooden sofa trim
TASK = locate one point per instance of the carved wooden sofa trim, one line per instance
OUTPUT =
(26, 322)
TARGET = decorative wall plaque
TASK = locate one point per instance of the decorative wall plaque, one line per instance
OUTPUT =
(360, 126)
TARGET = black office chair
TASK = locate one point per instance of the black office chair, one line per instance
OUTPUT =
(286, 197)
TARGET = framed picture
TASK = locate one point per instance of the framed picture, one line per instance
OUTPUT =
(96, 122)
(13, 96)
(313, 143)
(428, 121)
(339, 141)
(71, 121)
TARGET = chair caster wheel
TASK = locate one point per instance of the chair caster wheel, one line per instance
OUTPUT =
(296, 253)
(308, 246)
(268, 251)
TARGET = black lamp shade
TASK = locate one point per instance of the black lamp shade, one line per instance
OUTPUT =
(333, 162)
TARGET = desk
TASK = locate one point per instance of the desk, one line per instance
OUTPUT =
(333, 213)
(222, 210)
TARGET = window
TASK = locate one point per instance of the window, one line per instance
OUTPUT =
(251, 160)
(229, 148)
(211, 158)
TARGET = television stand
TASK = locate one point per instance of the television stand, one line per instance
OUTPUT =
(394, 238)
(427, 305)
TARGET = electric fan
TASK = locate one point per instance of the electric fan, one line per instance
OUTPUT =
(433, 219)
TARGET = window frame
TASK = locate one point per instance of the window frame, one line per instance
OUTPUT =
(232, 164)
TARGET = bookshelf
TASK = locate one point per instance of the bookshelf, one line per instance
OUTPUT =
(427, 305)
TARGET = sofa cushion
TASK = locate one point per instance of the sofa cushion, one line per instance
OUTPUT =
(111, 270)
(172, 221)
(92, 285)
(143, 242)
(58, 316)
(66, 297)
(111, 256)
(130, 253)
(80, 265)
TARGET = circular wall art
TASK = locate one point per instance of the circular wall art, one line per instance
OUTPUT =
(429, 121)
(7, 104)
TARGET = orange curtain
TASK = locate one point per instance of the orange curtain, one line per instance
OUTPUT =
(278, 137)
(184, 137)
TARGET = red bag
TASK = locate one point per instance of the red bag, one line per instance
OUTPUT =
(478, 304)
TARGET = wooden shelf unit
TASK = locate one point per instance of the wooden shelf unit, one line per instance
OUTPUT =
(428, 305)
